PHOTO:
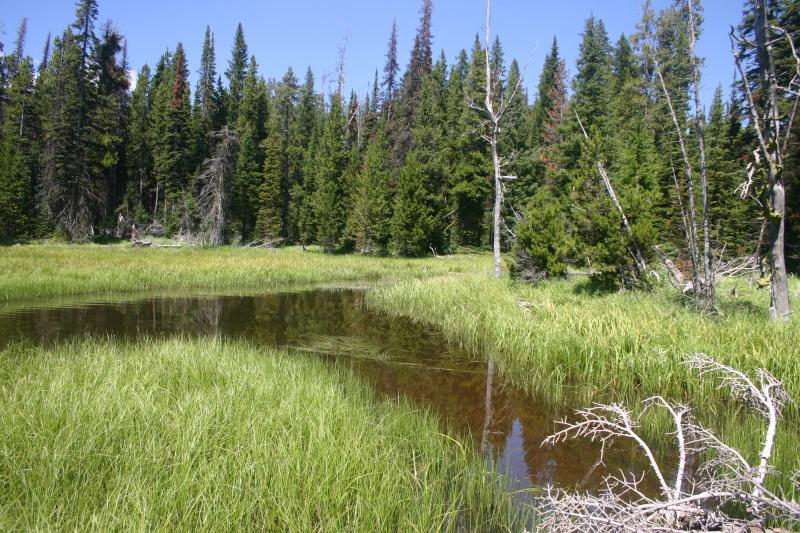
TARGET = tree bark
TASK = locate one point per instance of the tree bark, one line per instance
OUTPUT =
(779, 286)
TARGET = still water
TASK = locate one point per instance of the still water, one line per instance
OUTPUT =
(397, 357)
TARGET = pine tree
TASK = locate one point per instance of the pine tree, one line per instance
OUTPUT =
(18, 156)
(110, 120)
(371, 214)
(250, 127)
(391, 70)
(470, 163)
(207, 110)
(544, 104)
(413, 216)
(172, 151)
(141, 187)
(69, 166)
(236, 74)
(542, 243)
(281, 167)
(419, 66)
(331, 194)
(300, 206)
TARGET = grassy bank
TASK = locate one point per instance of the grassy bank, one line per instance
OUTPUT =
(39, 271)
(562, 342)
(208, 435)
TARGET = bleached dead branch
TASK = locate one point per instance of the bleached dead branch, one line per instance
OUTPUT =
(686, 501)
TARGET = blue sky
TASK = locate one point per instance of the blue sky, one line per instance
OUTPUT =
(300, 33)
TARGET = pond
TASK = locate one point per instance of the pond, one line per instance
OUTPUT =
(398, 357)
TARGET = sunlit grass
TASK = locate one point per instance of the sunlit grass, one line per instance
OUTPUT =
(566, 344)
(38, 271)
(203, 434)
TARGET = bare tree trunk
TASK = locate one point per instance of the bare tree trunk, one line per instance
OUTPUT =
(779, 286)
(496, 167)
(703, 278)
(766, 120)
(708, 294)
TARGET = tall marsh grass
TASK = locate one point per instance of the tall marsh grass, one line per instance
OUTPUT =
(562, 342)
(211, 435)
(37, 271)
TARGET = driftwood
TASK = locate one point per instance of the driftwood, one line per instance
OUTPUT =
(145, 243)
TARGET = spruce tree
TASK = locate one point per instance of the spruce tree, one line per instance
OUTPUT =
(172, 149)
(141, 187)
(391, 70)
(331, 194)
(370, 218)
(281, 168)
(110, 120)
(419, 66)
(236, 74)
(250, 128)
(18, 156)
(207, 110)
(470, 163)
(69, 164)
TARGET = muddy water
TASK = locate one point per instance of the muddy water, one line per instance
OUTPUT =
(397, 357)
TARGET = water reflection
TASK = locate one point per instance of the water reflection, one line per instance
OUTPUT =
(398, 357)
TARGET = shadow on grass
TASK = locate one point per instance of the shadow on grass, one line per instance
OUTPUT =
(595, 286)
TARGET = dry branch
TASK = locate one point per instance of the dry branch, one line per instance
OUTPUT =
(696, 501)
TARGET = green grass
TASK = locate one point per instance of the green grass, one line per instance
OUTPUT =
(570, 346)
(211, 435)
(40, 271)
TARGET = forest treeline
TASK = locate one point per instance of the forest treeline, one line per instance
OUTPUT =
(88, 152)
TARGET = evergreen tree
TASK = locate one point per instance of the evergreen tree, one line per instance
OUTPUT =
(544, 104)
(423, 179)
(300, 207)
(391, 69)
(207, 106)
(281, 168)
(470, 163)
(250, 127)
(236, 74)
(413, 216)
(733, 220)
(371, 214)
(70, 166)
(171, 144)
(542, 241)
(141, 187)
(18, 156)
(419, 66)
(330, 194)
(110, 120)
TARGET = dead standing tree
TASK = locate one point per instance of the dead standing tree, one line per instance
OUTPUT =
(703, 264)
(695, 501)
(495, 109)
(773, 130)
(215, 183)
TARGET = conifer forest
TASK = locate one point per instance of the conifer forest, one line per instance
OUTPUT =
(214, 259)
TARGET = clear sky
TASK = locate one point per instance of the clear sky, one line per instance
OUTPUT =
(303, 33)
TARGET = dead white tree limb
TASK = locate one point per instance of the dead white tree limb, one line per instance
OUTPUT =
(696, 501)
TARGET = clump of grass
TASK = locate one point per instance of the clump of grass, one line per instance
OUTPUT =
(212, 435)
(38, 271)
(558, 341)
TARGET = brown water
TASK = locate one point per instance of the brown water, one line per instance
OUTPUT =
(397, 357)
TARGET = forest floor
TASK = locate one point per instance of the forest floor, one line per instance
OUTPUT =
(565, 341)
